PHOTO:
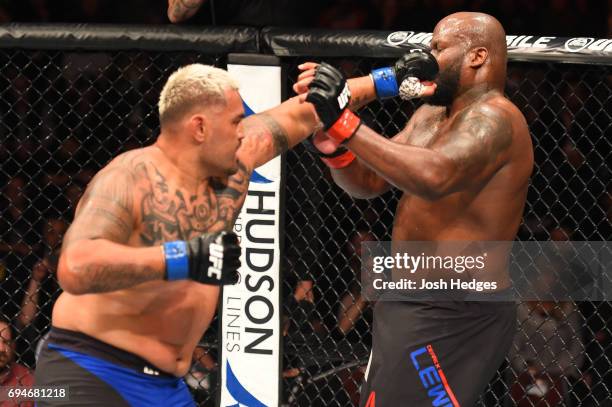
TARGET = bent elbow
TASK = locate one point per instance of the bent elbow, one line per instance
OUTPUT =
(70, 272)
(358, 189)
(360, 193)
(434, 191)
(436, 184)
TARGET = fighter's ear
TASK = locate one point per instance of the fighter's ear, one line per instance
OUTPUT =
(477, 57)
(200, 127)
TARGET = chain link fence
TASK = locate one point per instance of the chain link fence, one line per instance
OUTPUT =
(66, 114)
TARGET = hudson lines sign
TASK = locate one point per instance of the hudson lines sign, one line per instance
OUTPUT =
(250, 310)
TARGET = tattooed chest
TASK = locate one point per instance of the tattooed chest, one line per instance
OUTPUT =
(168, 212)
(167, 217)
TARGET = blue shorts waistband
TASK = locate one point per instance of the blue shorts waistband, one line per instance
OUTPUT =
(83, 343)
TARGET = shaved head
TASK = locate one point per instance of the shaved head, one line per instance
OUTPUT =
(471, 51)
(475, 30)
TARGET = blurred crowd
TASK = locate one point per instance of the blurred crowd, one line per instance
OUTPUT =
(64, 115)
(565, 18)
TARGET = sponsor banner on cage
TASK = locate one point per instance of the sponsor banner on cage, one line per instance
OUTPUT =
(523, 45)
(575, 44)
(250, 311)
(487, 271)
(387, 44)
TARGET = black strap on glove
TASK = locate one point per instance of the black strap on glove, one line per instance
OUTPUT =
(211, 258)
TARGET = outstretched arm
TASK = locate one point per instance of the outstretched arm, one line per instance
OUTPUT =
(356, 179)
(95, 256)
(272, 132)
(362, 88)
(181, 10)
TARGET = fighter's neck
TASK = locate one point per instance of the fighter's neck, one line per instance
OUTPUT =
(470, 96)
(185, 168)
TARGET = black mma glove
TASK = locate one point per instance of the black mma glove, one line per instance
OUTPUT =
(212, 258)
(330, 95)
(404, 77)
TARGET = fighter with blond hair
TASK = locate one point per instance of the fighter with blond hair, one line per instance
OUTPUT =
(142, 264)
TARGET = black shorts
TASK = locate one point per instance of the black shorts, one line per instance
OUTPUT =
(436, 354)
(98, 374)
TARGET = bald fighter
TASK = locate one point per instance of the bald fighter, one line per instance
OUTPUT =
(151, 243)
(463, 161)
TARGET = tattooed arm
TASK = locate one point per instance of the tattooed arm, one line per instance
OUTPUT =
(181, 10)
(95, 254)
(272, 132)
(475, 148)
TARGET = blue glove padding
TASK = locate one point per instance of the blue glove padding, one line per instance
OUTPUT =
(211, 258)
(385, 82)
(417, 63)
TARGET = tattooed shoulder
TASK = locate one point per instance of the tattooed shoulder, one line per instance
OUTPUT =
(236, 185)
(106, 210)
(274, 129)
(264, 139)
(489, 125)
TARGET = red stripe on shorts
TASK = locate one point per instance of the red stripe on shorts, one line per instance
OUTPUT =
(371, 400)
(434, 358)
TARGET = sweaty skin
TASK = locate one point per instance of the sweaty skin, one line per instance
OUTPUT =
(464, 167)
(115, 290)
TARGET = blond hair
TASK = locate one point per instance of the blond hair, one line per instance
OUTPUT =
(193, 85)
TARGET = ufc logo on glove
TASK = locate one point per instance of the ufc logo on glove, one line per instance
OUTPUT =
(344, 97)
(216, 260)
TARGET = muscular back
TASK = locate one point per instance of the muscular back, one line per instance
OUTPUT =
(141, 200)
